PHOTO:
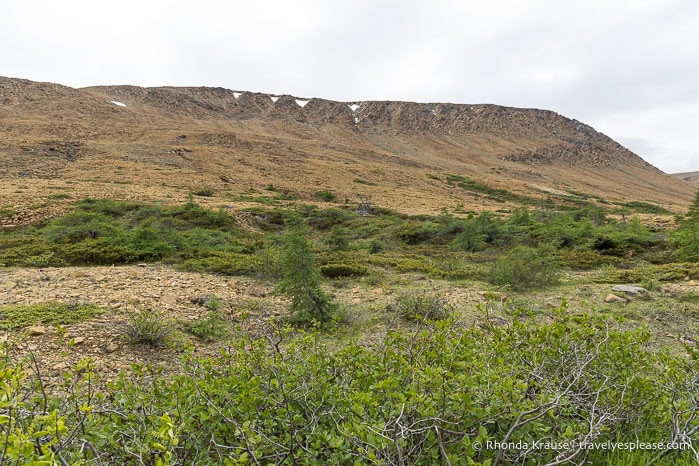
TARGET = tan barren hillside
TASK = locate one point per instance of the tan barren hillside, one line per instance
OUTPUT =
(691, 177)
(60, 144)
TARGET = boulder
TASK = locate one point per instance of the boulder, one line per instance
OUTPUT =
(634, 291)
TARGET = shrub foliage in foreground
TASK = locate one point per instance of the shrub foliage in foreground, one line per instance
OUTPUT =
(437, 396)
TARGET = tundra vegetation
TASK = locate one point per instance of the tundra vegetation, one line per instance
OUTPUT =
(435, 389)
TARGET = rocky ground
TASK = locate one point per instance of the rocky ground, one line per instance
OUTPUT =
(121, 291)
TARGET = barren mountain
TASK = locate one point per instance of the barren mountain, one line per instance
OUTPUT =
(163, 143)
(691, 177)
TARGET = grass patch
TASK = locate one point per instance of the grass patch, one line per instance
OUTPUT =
(51, 313)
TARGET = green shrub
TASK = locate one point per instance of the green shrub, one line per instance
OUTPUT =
(585, 259)
(327, 218)
(148, 327)
(661, 273)
(525, 268)
(420, 306)
(435, 396)
(376, 245)
(204, 192)
(338, 239)
(342, 270)
(212, 327)
(325, 196)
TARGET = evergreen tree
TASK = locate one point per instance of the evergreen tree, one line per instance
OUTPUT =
(301, 281)
(687, 234)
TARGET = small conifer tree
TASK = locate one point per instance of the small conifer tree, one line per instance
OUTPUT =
(301, 281)
(687, 234)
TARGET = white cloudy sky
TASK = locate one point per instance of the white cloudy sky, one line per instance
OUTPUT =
(629, 68)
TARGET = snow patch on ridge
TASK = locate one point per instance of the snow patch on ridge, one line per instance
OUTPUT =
(353, 107)
(237, 94)
(117, 103)
(301, 102)
(274, 98)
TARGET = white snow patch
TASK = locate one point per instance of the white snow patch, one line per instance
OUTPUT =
(237, 94)
(274, 98)
(356, 120)
(433, 112)
(301, 103)
(117, 103)
(353, 107)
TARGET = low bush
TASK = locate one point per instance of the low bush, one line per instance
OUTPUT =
(525, 268)
(585, 259)
(148, 327)
(204, 192)
(325, 196)
(421, 306)
(212, 327)
(446, 394)
(661, 273)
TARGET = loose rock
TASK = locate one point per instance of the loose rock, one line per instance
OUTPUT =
(612, 298)
(635, 291)
(36, 330)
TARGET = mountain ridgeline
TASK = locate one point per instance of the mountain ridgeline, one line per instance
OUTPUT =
(401, 153)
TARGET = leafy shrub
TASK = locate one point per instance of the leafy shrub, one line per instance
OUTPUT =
(147, 327)
(421, 306)
(525, 268)
(435, 396)
(342, 270)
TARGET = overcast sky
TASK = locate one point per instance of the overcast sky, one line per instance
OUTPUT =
(629, 68)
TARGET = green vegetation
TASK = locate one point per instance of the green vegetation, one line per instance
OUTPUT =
(204, 192)
(212, 327)
(443, 394)
(326, 196)
(148, 327)
(432, 390)
(526, 268)
(301, 283)
(421, 307)
(52, 313)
